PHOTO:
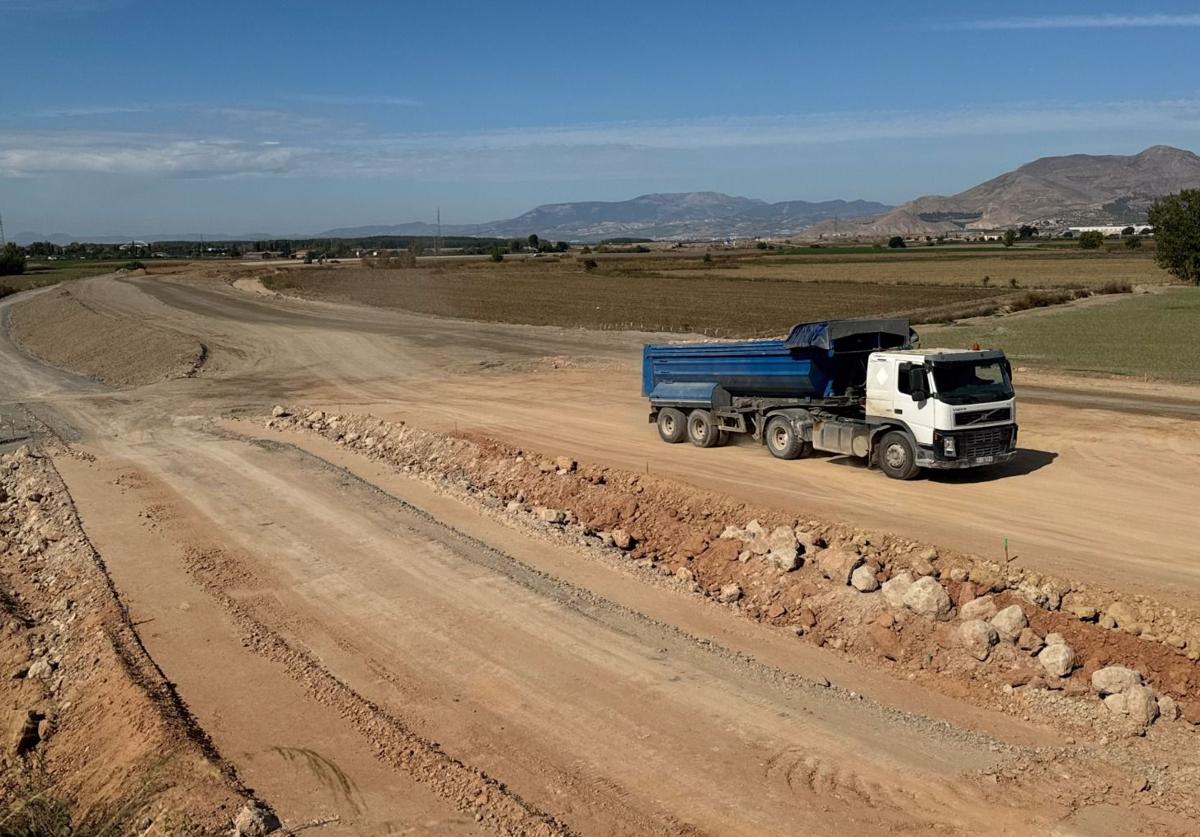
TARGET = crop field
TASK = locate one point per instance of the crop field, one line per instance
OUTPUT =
(1148, 335)
(541, 293)
(993, 267)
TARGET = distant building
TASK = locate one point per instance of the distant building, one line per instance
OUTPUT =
(1113, 229)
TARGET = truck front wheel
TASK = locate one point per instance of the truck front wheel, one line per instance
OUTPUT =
(702, 429)
(783, 442)
(896, 456)
(672, 426)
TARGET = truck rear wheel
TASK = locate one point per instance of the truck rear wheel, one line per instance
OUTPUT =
(783, 442)
(672, 426)
(896, 456)
(702, 429)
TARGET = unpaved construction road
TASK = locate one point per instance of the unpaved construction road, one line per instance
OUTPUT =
(378, 657)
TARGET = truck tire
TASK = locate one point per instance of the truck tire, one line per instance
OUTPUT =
(783, 441)
(702, 429)
(896, 456)
(672, 426)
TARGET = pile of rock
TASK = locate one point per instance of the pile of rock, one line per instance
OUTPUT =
(1125, 693)
(784, 547)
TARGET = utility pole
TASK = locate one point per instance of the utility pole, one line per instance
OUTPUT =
(437, 242)
(3, 241)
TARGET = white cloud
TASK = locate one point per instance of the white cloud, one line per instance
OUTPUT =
(1099, 21)
(545, 152)
(135, 155)
(361, 101)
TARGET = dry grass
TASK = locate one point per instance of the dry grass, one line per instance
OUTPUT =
(552, 292)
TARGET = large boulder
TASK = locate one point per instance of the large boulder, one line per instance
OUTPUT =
(1010, 622)
(929, 598)
(895, 588)
(863, 579)
(1058, 660)
(982, 608)
(254, 821)
(1141, 705)
(1115, 680)
(977, 638)
(729, 593)
(838, 564)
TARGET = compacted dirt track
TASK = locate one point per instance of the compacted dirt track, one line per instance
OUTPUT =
(374, 657)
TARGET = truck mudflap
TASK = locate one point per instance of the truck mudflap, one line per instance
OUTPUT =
(926, 459)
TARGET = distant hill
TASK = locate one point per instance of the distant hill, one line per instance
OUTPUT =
(671, 215)
(1073, 190)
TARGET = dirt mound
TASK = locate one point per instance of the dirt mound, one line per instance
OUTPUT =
(61, 329)
(96, 739)
(998, 635)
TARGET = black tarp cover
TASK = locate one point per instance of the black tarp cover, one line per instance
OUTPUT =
(889, 334)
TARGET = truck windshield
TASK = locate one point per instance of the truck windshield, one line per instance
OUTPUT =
(972, 383)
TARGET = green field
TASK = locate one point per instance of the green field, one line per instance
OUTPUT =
(1150, 336)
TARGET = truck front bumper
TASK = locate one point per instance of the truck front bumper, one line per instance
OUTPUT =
(926, 459)
(975, 448)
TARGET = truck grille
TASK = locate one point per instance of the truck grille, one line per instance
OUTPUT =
(982, 416)
(990, 441)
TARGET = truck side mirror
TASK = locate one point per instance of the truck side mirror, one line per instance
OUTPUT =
(918, 385)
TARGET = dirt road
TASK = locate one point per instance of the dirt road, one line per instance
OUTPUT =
(1084, 498)
(379, 658)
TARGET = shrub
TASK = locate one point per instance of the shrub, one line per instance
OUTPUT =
(896, 241)
(590, 264)
(1114, 286)
(12, 260)
(1133, 242)
(707, 258)
(497, 254)
(134, 265)
(1091, 240)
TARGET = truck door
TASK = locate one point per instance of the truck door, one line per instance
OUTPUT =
(913, 402)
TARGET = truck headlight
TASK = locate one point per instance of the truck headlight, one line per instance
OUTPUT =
(948, 447)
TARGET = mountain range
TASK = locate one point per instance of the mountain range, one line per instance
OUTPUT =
(672, 215)
(1072, 190)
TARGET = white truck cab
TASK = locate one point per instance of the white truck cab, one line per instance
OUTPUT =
(940, 408)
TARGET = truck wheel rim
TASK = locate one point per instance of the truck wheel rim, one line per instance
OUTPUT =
(698, 430)
(896, 455)
(779, 438)
(668, 425)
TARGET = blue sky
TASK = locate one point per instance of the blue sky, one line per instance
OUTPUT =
(157, 116)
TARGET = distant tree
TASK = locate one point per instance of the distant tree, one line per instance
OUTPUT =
(896, 241)
(1133, 242)
(516, 245)
(1010, 237)
(416, 247)
(533, 241)
(12, 260)
(562, 246)
(497, 254)
(586, 249)
(1091, 240)
(1026, 232)
(1176, 222)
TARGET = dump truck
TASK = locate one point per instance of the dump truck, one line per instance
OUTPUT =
(859, 388)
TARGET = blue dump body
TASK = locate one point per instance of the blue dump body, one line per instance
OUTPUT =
(815, 361)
